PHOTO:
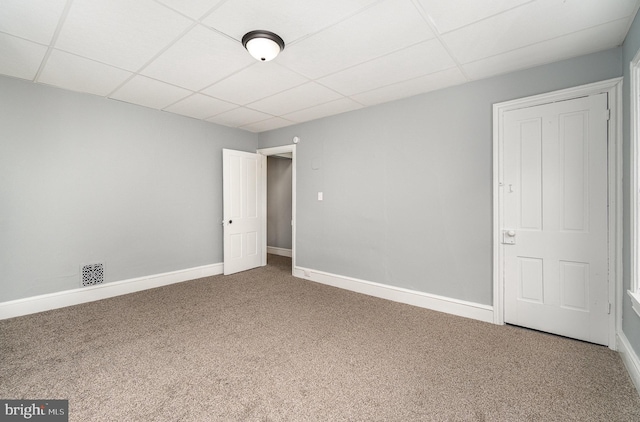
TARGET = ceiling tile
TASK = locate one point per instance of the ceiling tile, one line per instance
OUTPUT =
(20, 58)
(35, 20)
(204, 57)
(412, 87)
(150, 93)
(255, 82)
(239, 117)
(79, 74)
(269, 124)
(291, 19)
(193, 8)
(422, 59)
(377, 31)
(303, 96)
(532, 23)
(323, 110)
(122, 33)
(447, 15)
(200, 106)
(186, 56)
(572, 45)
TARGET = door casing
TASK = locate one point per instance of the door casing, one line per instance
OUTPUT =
(612, 87)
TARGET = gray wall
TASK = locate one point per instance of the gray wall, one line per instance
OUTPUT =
(279, 233)
(630, 320)
(84, 179)
(407, 184)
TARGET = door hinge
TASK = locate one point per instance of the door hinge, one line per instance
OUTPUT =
(607, 114)
(609, 312)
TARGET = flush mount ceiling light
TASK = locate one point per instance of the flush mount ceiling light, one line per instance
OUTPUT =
(263, 45)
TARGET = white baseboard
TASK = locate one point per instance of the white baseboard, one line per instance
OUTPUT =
(397, 294)
(32, 305)
(630, 359)
(279, 251)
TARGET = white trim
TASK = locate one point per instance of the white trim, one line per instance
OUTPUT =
(630, 359)
(634, 76)
(635, 301)
(46, 302)
(616, 215)
(612, 87)
(265, 152)
(398, 294)
(279, 251)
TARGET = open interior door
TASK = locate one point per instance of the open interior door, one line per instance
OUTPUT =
(242, 196)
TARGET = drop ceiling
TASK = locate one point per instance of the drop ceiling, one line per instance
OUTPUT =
(185, 56)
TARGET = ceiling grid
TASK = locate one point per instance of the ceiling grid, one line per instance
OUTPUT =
(340, 55)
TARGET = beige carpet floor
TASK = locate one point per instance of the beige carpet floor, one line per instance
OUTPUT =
(264, 346)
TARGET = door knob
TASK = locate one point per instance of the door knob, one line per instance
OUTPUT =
(509, 237)
(230, 221)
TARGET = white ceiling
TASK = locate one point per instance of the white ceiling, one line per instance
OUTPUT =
(185, 56)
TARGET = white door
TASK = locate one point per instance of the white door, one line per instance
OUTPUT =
(241, 191)
(554, 236)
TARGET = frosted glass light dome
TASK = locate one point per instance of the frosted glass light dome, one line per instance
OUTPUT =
(263, 45)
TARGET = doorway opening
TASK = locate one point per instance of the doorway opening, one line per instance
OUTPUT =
(278, 208)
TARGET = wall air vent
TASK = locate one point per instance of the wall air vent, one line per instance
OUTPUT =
(92, 274)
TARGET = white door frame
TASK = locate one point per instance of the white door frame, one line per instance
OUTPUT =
(613, 87)
(264, 153)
